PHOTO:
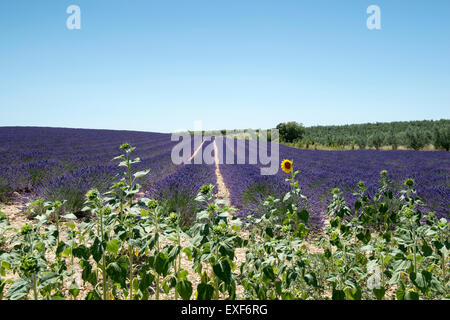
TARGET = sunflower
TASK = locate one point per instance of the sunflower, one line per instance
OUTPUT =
(286, 165)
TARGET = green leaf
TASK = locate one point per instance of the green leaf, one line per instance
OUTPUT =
(60, 248)
(2, 287)
(225, 214)
(123, 163)
(81, 252)
(182, 275)
(421, 280)
(379, 293)
(48, 278)
(71, 225)
(70, 216)
(135, 284)
(141, 174)
(400, 293)
(173, 253)
(87, 274)
(338, 295)
(202, 215)
(98, 249)
(426, 250)
(165, 287)
(188, 252)
(146, 281)
(303, 215)
(113, 246)
(117, 271)
(395, 278)
(173, 281)
(86, 208)
(93, 295)
(269, 232)
(353, 291)
(66, 253)
(121, 157)
(291, 276)
(411, 295)
(437, 285)
(226, 248)
(19, 289)
(268, 273)
(364, 236)
(161, 263)
(136, 160)
(184, 288)
(74, 290)
(286, 295)
(222, 270)
(204, 291)
(311, 279)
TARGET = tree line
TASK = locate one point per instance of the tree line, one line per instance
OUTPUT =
(412, 134)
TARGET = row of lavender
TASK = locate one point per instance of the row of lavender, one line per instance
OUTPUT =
(178, 190)
(321, 171)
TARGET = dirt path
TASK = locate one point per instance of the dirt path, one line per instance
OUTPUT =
(222, 190)
(196, 151)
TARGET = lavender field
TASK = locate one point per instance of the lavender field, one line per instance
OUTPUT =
(321, 171)
(64, 163)
(312, 218)
(56, 164)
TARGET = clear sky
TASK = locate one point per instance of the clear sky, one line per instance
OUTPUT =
(160, 65)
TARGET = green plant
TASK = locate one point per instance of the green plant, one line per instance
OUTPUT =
(214, 239)
(385, 246)
(276, 263)
(36, 207)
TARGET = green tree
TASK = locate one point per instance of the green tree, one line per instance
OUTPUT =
(361, 142)
(392, 140)
(376, 140)
(442, 138)
(415, 139)
(290, 131)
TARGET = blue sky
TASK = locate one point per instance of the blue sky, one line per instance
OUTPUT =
(160, 65)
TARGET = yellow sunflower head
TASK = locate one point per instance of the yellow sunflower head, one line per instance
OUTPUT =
(286, 165)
